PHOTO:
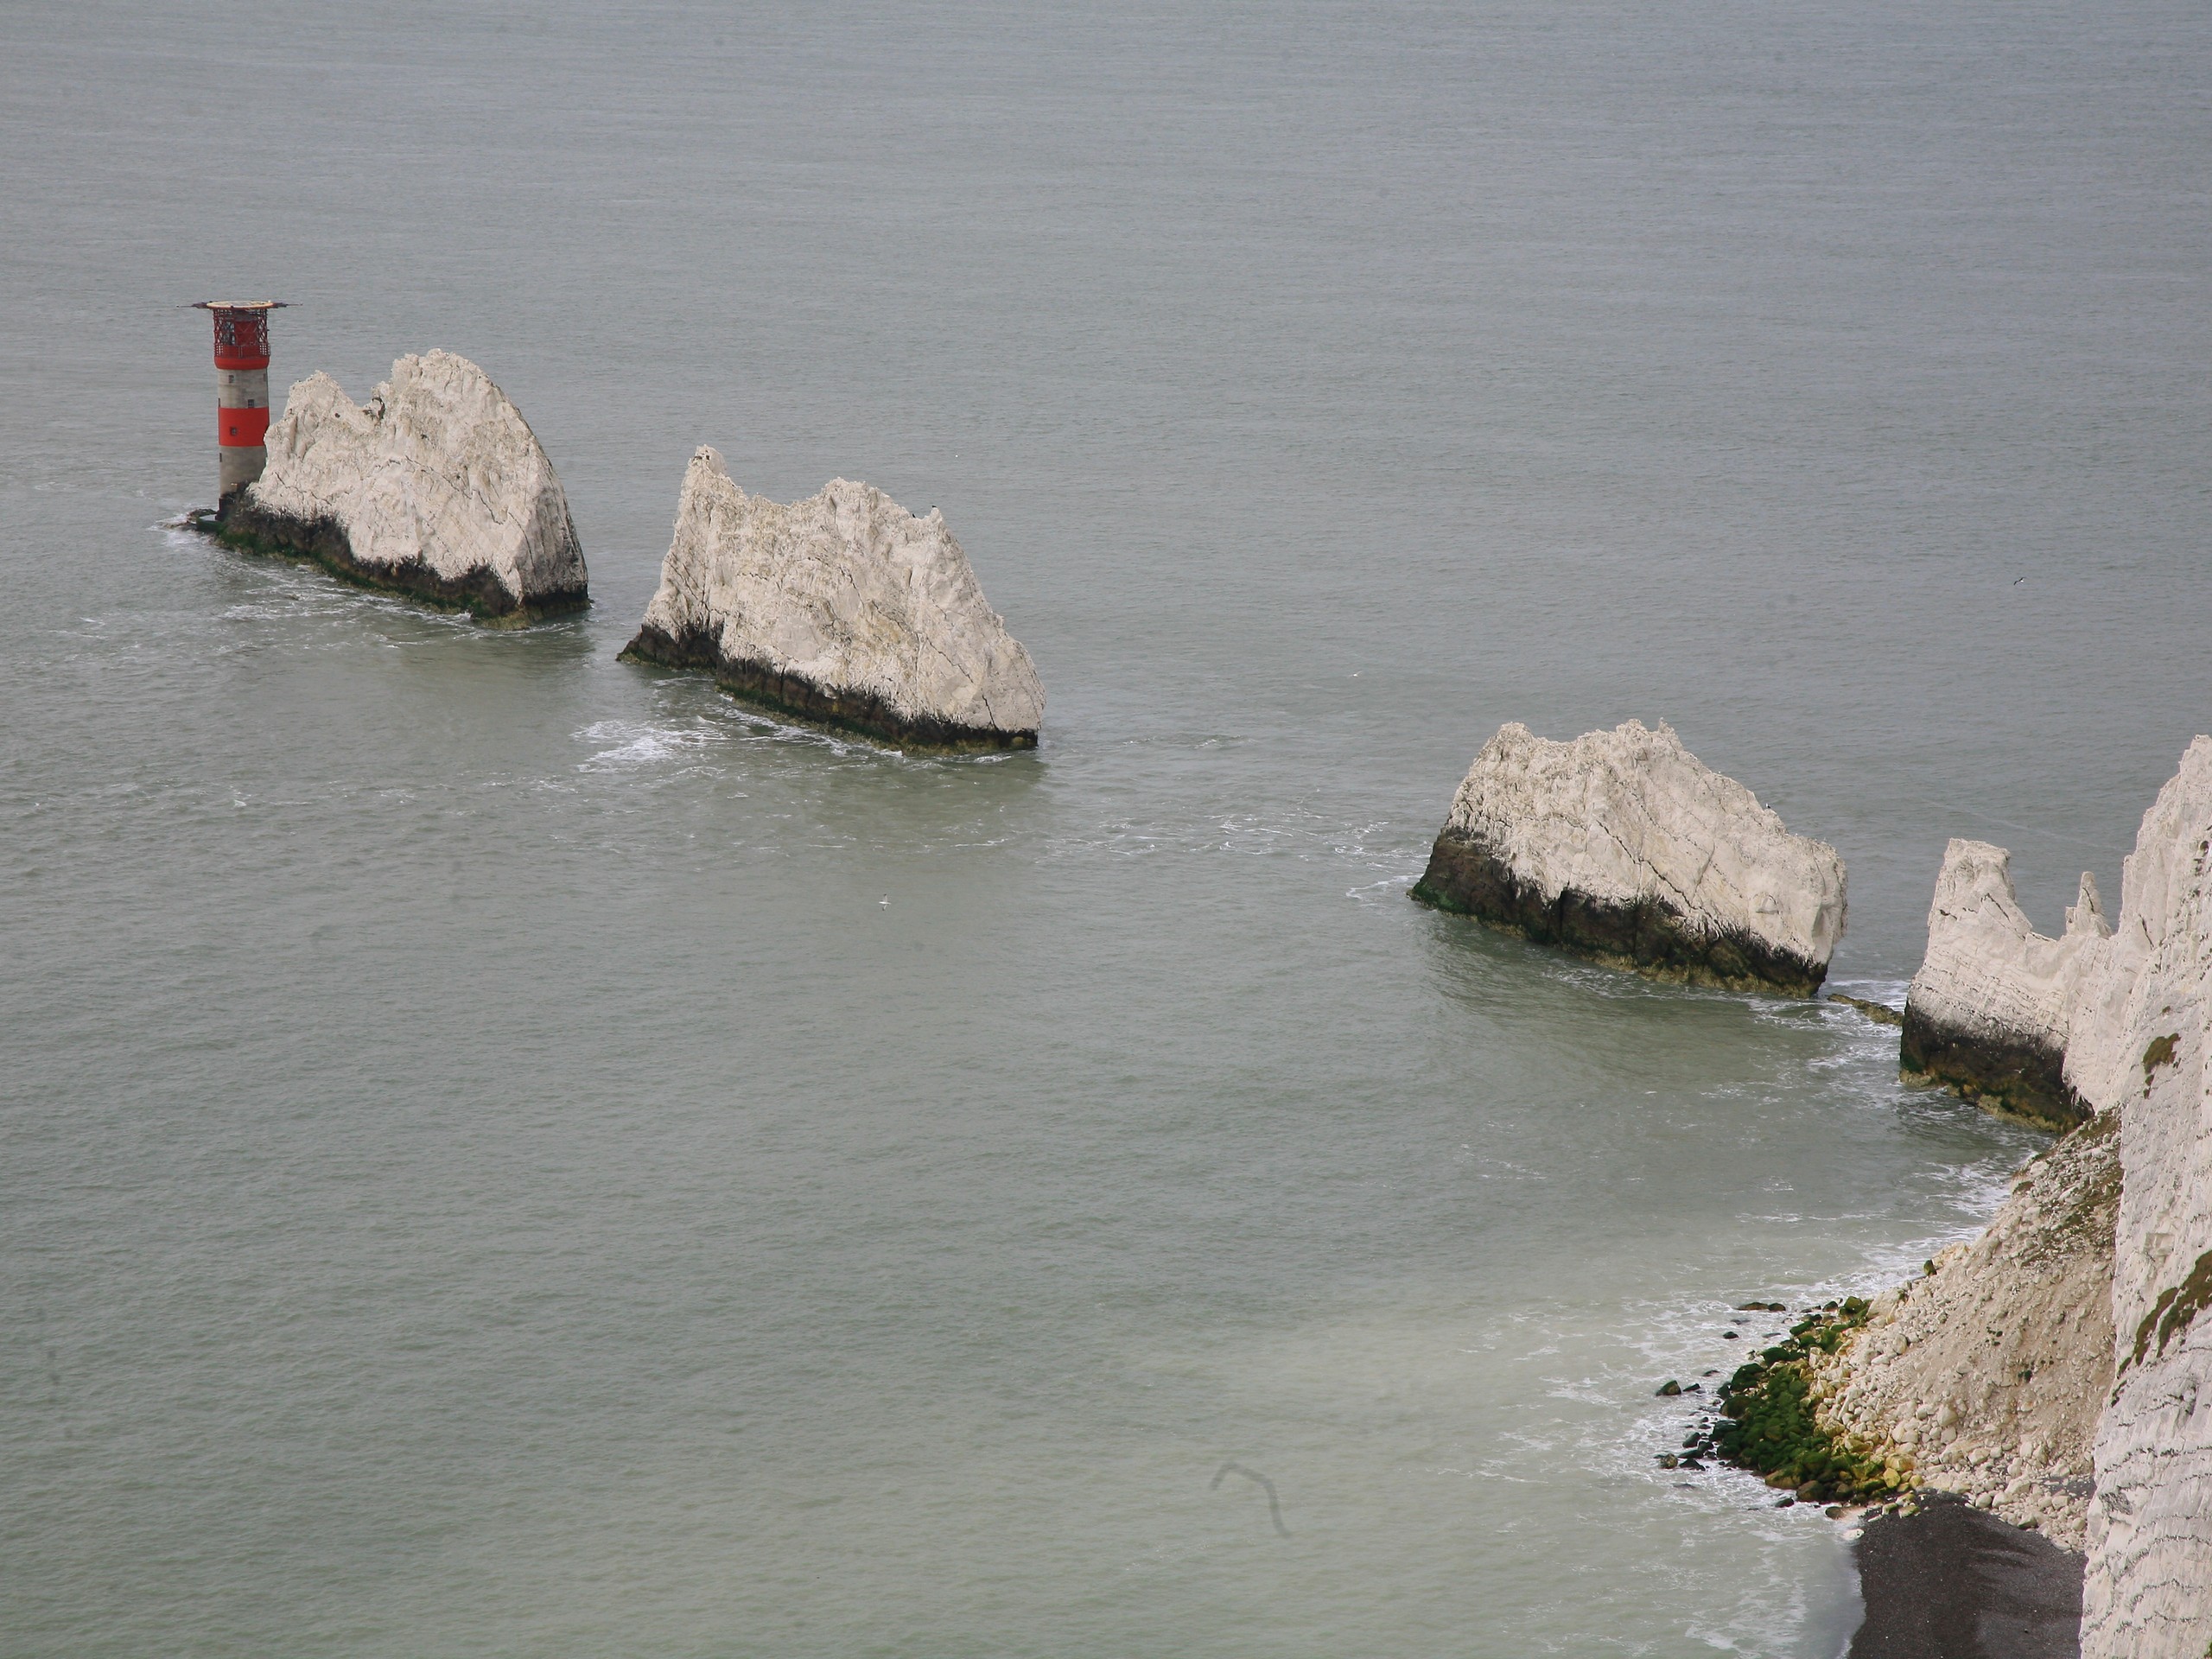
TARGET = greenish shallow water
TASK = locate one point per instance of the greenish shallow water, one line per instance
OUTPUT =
(506, 1152)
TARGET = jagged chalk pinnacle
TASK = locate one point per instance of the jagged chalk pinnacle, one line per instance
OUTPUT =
(435, 487)
(843, 608)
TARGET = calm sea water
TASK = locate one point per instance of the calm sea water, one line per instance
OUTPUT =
(507, 1153)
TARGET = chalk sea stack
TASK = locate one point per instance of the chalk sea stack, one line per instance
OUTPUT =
(435, 487)
(1625, 847)
(843, 609)
(1989, 1011)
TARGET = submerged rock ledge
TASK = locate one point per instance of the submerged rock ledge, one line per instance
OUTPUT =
(843, 609)
(435, 488)
(1623, 846)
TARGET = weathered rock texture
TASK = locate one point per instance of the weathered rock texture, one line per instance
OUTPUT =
(1991, 1008)
(435, 487)
(2141, 1049)
(842, 608)
(1624, 846)
(1985, 1377)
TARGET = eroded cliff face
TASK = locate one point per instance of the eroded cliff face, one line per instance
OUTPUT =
(2110, 1021)
(2141, 1051)
(843, 608)
(1624, 846)
(1991, 1010)
(435, 487)
(1987, 1377)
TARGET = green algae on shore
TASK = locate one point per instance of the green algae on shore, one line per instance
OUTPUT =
(1769, 1424)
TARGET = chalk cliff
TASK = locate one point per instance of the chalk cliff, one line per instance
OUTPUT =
(1989, 1010)
(1624, 846)
(435, 487)
(2141, 1049)
(843, 608)
(2078, 1318)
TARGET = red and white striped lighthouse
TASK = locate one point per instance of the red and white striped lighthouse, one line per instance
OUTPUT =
(241, 388)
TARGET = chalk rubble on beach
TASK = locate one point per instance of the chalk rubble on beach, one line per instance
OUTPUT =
(437, 488)
(843, 608)
(1623, 846)
(1985, 1378)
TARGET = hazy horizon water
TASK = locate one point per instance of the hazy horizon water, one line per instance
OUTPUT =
(511, 1152)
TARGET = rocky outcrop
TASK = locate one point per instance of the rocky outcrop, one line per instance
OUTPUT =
(842, 608)
(2141, 1049)
(435, 487)
(1624, 846)
(1990, 1010)
(1985, 1376)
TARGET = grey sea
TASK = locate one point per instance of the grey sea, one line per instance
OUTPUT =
(504, 1151)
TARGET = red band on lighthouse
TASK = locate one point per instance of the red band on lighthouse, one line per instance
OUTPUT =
(242, 427)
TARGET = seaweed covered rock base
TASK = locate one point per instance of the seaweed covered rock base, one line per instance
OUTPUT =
(1770, 1423)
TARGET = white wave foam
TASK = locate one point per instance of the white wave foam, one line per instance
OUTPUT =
(635, 743)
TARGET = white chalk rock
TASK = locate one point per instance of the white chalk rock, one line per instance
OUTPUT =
(1989, 1010)
(1624, 846)
(2141, 1048)
(437, 488)
(843, 608)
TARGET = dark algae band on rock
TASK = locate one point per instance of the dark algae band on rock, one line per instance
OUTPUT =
(1625, 847)
(790, 693)
(322, 543)
(1465, 878)
(2019, 1073)
(1992, 1006)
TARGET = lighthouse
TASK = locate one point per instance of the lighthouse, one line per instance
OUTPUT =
(241, 388)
